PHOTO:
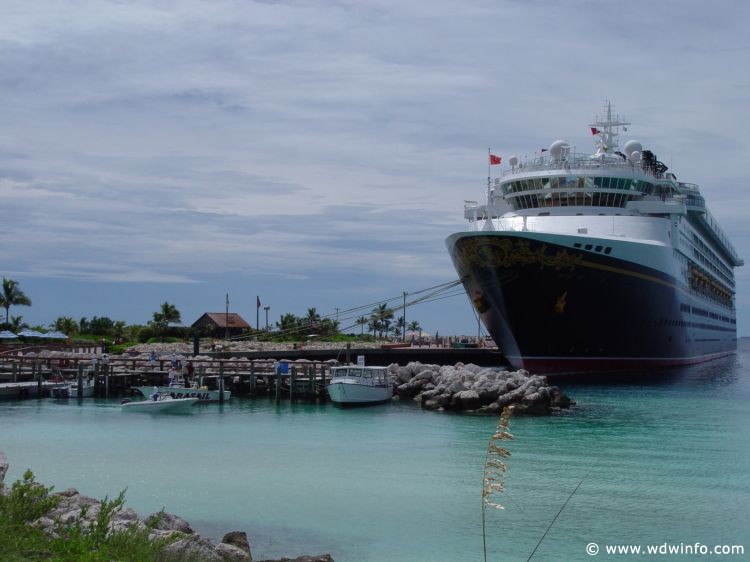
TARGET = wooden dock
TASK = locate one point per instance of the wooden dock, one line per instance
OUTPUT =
(244, 373)
(119, 375)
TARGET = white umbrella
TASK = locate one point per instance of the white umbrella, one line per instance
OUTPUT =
(55, 336)
(30, 334)
(7, 335)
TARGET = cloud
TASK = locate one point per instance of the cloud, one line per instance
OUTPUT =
(170, 142)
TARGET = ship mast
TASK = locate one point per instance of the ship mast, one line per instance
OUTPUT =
(606, 130)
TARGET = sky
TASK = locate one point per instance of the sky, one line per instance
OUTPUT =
(318, 153)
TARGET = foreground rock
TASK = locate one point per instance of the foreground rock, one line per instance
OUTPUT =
(186, 543)
(471, 388)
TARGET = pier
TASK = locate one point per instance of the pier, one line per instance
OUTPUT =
(305, 376)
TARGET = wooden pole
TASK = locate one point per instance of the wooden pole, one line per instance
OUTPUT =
(80, 381)
(278, 383)
(292, 382)
(105, 370)
(221, 382)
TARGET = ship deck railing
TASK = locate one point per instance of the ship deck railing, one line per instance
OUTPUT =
(576, 161)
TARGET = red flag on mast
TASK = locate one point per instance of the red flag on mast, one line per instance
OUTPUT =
(495, 160)
(594, 131)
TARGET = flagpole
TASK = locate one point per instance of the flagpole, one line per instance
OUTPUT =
(489, 160)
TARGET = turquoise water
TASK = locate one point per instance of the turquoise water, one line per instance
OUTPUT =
(665, 459)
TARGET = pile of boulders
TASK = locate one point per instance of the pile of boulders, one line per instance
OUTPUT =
(476, 389)
(188, 545)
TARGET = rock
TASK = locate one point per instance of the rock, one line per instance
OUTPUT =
(192, 547)
(232, 553)
(238, 539)
(466, 400)
(169, 522)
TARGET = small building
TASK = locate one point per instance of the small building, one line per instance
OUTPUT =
(216, 324)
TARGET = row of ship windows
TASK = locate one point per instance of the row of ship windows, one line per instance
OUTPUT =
(569, 199)
(606, 249)
(684, 324)
(705, 313)
(579, 182)
(712, 257)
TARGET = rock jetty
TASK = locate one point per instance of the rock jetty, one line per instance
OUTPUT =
(470, 388)
(186, 545)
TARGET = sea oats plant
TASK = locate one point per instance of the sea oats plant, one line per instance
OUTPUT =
(494, 470)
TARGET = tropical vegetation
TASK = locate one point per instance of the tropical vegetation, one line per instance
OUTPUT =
(12, 296)
(27, 500)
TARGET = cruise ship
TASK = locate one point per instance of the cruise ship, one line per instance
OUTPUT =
(593, 262)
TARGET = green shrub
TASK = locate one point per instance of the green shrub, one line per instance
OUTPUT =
(29, 500)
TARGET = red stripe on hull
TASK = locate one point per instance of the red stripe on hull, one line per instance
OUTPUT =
(577, 365)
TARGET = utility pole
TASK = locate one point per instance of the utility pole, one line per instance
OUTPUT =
(404, 326)
(226, 320)
(266, 308)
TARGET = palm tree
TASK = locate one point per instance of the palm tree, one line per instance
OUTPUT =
(66, 325)
(11, 296)
(167, 314)
(84, 325)
(362, 322)
(382, 315)
(17, 324)
(287, 322)
(414, 326)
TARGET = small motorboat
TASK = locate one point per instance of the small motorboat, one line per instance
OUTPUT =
(359, 385)
(179, 389)
(159, 403)
(70, 389)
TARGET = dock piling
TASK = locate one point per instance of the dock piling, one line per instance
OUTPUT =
(221, 382)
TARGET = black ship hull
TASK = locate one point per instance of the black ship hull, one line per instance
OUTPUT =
(556, 309)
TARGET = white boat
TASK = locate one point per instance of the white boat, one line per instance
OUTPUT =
(164, 403)
(70, 389)
(86, 390)
(359, 385)
(178, 389)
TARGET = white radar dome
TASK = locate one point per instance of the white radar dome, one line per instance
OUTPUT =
(556, 148)
(513, 161)
(635, 156)
(632, 146)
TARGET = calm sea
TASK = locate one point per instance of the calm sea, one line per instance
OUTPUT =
(662, 460)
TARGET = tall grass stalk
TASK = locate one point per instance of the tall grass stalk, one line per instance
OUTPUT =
(494, 471)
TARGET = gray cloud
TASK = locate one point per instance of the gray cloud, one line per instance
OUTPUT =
(150, 141)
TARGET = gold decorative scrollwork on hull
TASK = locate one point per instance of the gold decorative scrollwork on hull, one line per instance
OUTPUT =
(508, 252)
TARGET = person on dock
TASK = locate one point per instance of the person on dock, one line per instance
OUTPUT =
(155, 394)
(190, 369)
(152, 359)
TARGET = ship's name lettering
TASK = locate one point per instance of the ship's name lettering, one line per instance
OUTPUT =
(198, 395)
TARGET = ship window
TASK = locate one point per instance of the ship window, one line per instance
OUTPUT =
(538, 183)
(554, 183)
(607, 250)
(367, 373)
(577, 245)
(355, 372)
(587, 247)
(598, 249)
(588, 182)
